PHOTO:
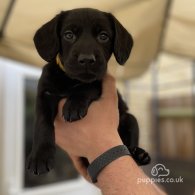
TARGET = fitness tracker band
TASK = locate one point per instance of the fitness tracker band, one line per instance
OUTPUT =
(104, 159)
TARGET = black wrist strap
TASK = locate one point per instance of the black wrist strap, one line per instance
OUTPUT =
(106, 158)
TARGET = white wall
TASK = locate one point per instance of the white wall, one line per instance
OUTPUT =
(1, 132)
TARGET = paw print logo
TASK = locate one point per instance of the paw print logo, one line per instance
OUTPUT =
(160, 170)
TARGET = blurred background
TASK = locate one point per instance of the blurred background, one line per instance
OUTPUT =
(157, 82)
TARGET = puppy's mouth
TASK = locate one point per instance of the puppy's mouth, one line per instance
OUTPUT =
(87, 77)
(85, 74)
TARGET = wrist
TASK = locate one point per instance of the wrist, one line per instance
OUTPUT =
(102, 161)
(102, 146)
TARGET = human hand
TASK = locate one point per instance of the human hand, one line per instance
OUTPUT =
(95, 133)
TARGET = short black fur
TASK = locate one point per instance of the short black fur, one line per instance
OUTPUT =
(85, 40)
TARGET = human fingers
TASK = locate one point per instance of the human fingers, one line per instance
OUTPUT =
(60, 106)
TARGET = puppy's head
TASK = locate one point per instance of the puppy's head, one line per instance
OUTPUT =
(84, 39)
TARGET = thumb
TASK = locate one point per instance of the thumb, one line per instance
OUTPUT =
(81, 166)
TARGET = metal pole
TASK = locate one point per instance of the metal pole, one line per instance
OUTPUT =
(193, 85)
(193, 99)
(6, 17)
(155, 107)
(164, 25)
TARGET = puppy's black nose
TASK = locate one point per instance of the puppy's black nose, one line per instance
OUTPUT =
(86, 59)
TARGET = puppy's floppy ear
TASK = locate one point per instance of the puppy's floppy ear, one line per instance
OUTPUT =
(46, 39)
(123, 41)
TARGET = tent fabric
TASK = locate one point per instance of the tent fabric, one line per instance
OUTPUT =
(180, 33)
(144, 19)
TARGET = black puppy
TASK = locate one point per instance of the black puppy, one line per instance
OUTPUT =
(77, 45)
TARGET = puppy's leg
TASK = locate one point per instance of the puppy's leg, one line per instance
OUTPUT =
(129, 132)
(78, 102)
(41, 159)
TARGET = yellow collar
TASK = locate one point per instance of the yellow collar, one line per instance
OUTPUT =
(59, 63)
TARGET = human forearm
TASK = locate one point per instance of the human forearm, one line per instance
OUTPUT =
(120, 177)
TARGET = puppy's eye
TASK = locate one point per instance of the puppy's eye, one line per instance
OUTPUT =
(103, 37)
(69, 36)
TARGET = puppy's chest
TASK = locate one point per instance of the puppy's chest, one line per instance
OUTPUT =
(56, 83)
(59, 85)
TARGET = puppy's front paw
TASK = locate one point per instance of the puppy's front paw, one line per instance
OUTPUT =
(74, 110)
(140, 156)
(40, 163)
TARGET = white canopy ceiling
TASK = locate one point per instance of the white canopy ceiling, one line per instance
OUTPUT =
(152, 28)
